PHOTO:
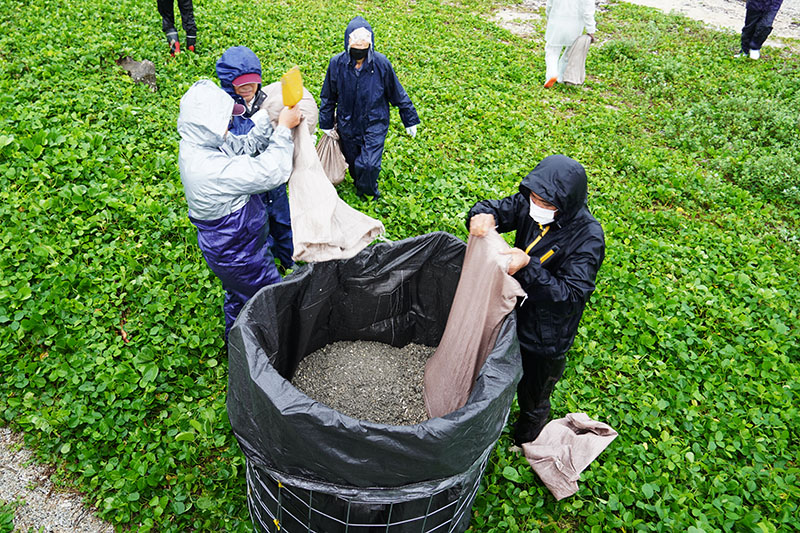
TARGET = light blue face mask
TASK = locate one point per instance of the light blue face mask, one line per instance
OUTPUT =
(541, 214)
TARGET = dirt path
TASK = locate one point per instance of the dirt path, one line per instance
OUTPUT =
(729, 14)
(39, 504)
(722, 14)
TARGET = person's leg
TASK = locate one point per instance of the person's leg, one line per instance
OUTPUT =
(751, 19)
(167, 12)
(243, 265)
(552, 55)
(280, 225)
(242, 281)
(351, 149)
(368, 165)
(187, 20)
(539, 378)
(231, 308)
(763, 27)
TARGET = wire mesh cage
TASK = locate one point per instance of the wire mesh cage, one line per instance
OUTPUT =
(277, 506)
(312, 468)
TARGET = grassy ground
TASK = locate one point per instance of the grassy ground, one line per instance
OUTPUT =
(689, 347)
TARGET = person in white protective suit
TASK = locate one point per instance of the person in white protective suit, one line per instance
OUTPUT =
(566, 20)
(222, 180)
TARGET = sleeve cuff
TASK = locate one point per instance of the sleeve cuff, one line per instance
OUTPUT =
(283, 131)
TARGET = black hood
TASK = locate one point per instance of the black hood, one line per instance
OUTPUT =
(559, 180)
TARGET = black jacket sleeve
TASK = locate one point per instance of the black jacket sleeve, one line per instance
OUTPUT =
(328, 98)
(573, 281)
(505, 211)
(398, 97)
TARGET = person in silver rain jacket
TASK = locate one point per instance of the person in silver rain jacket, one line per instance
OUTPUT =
(222, 180)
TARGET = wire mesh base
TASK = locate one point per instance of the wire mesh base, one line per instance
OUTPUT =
(276, 506)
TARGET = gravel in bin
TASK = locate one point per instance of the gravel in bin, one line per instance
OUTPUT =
(368, 380)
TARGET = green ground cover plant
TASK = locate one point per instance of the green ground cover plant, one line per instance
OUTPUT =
(111, 354)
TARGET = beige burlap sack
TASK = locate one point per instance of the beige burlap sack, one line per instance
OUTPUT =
(575, 71)
(274, 103)
(324, 227)
(331, 157)
(484, 296)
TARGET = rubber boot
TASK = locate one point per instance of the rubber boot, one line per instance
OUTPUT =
(172, 41)
(539, 378)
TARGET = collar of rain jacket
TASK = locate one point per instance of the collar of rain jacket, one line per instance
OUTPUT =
(561, 181)
(205, 114)
(355, 23)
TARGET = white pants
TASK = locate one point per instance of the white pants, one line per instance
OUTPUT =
(555, 60)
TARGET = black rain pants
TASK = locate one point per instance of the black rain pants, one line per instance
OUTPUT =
(166, 8)
(539, 378)
(757, 27)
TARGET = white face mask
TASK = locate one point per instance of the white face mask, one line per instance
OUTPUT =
(542, 215)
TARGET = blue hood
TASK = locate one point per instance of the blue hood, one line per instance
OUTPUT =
(354, 24)
(234, 62)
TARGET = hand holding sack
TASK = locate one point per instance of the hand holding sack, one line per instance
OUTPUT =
(324, 227)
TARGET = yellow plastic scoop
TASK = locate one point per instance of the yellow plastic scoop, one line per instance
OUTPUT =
(292, 87)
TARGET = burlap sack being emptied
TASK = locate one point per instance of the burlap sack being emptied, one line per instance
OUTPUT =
(324, 227)
(486, 293)
(331, 156)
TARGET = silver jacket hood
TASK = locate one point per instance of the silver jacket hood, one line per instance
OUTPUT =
(205, 114)
(219, 172)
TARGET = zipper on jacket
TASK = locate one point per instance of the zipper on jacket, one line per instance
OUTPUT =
(537, 239)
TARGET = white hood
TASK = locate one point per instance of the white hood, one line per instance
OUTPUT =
(219, 172)
(205, 114)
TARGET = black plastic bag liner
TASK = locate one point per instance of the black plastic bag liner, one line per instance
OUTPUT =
(311, 468)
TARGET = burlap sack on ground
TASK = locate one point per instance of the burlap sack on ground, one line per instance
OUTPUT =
(484, 296)
(324, 227)
(565, 448)
(575, 71)
(331, 156)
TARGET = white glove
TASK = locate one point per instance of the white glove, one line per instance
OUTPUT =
(329, 133)
(412, 130)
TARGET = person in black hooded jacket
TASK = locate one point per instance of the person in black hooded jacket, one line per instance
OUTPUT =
(558, 249)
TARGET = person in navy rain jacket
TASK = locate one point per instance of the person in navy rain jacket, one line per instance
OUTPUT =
(359, 86)
(239, 73)
(559, 247)
(222, 178)
(758, 19)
